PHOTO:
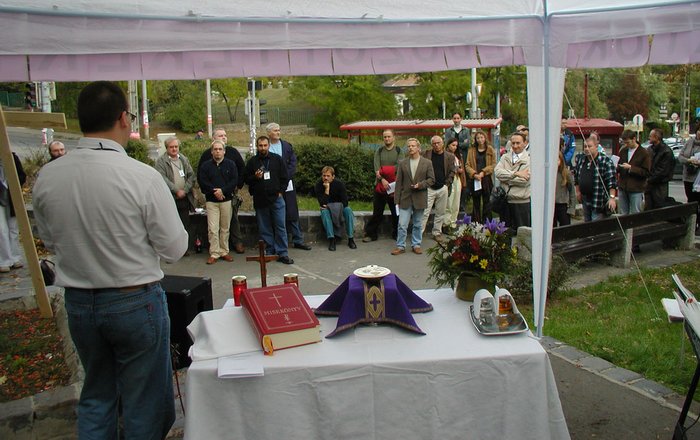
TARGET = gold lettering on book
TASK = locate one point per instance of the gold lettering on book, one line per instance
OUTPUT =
(282, 311)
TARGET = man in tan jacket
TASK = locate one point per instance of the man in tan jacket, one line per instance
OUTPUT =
(415, 175)
(513, 171)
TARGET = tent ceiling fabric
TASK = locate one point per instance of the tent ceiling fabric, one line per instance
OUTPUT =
(84, 40)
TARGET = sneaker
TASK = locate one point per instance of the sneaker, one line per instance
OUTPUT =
(17, 265)
(4, 269)
(398, 251)
(417, 250)
(438, 237)
(303, 246)
(367, 239)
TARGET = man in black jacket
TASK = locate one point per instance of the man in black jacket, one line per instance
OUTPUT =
(218, 178)
(662, 163)
(232, 154)
(266, 176)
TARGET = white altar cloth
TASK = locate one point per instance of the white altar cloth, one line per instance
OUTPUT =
(383, 382)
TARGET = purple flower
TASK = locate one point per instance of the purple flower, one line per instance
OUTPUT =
(465, 220)
(495, 227)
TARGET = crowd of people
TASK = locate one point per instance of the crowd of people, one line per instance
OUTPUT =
(110, 220)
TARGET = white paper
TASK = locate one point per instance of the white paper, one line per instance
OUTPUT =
(477, 185)
(615, 158)
(290, 186)
(392, 188)
(673, 310)
(241, 365)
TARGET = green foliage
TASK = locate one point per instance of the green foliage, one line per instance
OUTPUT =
(352, 164)
(434, 87)
(192, 149)
(574, 96)
(344, 99)
(181, 104)
(232, 92)
(519, 279)
(619, 321)
(32, 163)
(138, 150)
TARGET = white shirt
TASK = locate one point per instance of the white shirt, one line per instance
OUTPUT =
(107, 217)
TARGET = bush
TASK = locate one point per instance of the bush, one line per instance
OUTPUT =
(519, 280)
(138, 150)
(192, 149)
(352, 163)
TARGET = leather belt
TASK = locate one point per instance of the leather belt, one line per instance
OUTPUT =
(127, 289)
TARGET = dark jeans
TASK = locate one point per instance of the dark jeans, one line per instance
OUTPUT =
(561, 217)
(235, 235)
(183, 211)
(378, 203)
(123, 341)
(480, 199)
(655, 196)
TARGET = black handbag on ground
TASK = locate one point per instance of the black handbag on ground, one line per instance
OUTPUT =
(498, 200)
(48, 271)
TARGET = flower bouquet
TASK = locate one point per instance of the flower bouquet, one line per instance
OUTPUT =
(477, 250)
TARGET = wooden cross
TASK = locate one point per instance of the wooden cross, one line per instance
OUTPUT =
(262, 259)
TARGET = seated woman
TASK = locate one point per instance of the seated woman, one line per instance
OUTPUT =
(333, 199)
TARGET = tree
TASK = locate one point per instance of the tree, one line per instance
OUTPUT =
(626, 96)
(344, 99)
(181, 104)
(574, 98)
(231, 92)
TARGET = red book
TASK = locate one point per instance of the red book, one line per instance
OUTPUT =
(281, 317)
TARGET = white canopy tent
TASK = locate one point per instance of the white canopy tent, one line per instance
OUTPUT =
(71, 40)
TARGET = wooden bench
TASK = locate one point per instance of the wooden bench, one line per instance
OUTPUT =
(616, 235)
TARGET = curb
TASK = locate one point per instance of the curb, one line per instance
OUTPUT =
(619, 376)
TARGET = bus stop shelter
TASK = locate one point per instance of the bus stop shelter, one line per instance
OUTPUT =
(418, 127)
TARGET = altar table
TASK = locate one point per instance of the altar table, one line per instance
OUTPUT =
(384, 382)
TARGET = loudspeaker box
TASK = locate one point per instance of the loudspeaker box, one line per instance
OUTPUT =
(187, 296)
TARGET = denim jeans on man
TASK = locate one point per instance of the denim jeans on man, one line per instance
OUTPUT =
(589, 213)
(123, 340)
(348, 219)
(271, 224)
(406, 215)
(630, 202)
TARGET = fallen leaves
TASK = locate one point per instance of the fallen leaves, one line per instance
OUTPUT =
(31, 355)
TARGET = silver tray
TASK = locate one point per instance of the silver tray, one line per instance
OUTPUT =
(520, 326)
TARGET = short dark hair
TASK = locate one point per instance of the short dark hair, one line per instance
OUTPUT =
(262, 137)
(456, 113)
(100, 104)
(628, 134)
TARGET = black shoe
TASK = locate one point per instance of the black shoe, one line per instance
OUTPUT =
(304, 246)
(331, 244)
(351, 243)
(285, 260)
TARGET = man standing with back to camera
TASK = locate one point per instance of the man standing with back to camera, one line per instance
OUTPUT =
(110, 219)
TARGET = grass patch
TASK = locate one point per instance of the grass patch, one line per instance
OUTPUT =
(617, 321)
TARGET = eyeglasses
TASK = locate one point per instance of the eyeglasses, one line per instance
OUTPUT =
(131, 115)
